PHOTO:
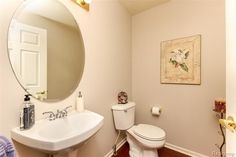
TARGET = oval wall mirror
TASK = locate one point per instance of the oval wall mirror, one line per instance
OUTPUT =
(46, 49)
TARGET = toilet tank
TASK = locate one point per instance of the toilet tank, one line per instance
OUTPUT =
(123, 115)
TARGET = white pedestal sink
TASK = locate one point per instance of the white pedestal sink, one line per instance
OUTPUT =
(60, 134)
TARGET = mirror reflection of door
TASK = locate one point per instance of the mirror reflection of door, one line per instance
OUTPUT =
(28, 52)
(46, 49)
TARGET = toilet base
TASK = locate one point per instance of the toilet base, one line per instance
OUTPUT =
(137, 150)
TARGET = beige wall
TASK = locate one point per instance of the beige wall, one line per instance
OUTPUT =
(106, 31)
(187, 115)
(1, 96)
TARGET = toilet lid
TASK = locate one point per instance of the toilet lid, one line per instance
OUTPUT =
(149, 132)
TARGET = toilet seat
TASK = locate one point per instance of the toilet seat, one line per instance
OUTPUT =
(149, 132)
(144, 139)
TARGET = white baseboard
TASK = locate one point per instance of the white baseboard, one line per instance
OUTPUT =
(184, 151)
(167, 145)
(118, 146)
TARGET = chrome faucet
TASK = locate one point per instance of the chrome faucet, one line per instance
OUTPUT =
(59, 114)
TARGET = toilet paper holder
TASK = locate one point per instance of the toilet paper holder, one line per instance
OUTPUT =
(156, 110)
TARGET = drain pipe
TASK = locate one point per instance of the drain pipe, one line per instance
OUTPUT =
(114, 146)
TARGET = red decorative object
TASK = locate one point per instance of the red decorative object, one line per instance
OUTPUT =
(122, 98)
(220, 106)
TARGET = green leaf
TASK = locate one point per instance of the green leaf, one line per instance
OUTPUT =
(184, 67)
(181, 51)
(186, 55)
(173, 62)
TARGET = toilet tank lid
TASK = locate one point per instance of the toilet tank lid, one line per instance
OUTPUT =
(122, 107)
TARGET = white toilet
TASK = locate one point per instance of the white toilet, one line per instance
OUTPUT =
(143, 139)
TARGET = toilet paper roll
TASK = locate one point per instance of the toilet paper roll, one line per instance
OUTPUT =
(156, 111)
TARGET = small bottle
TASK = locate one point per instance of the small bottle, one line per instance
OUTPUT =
(80, 103)
(31, 115)
(23, 115)
(21, 119)
(27, 114)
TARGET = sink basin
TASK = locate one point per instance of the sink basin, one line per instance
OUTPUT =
(61, 133)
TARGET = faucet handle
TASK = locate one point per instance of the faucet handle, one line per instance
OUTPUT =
(68, 107)
(51, 116)
(65, 111)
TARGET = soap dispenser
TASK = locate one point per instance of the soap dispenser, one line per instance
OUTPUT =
(27, 115)
(80, 103)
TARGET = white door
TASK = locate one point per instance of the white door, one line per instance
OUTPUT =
(28, 55)
(231, 73)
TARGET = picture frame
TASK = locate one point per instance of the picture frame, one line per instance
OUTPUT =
(181, 61)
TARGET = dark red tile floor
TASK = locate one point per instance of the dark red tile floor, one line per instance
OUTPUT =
(163, 152)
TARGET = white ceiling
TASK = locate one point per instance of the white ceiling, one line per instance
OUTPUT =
(137, 6)
(52, 10)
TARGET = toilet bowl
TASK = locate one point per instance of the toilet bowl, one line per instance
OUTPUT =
(143, 139)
